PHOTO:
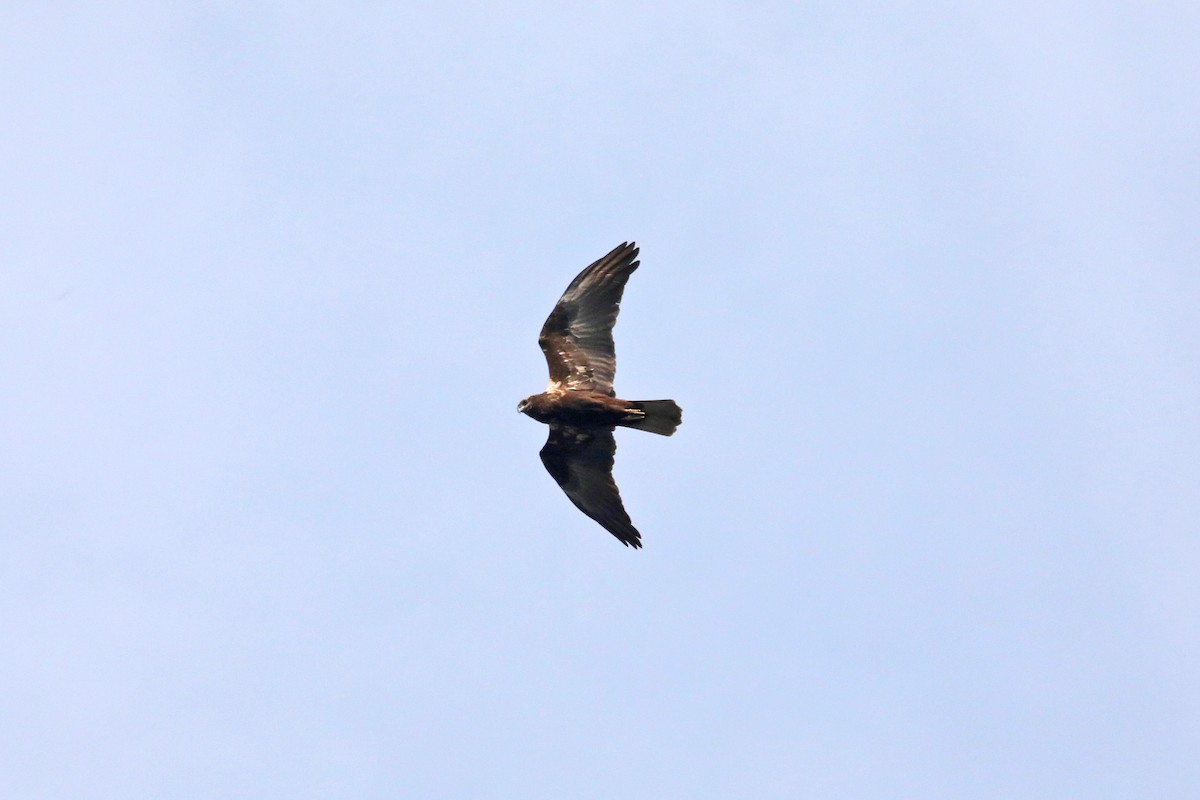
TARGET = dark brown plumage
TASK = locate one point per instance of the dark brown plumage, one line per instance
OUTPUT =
(579, 405)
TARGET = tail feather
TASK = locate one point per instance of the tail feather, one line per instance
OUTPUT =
(661, 416)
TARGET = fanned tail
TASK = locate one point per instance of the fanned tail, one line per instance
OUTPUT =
(661, 416)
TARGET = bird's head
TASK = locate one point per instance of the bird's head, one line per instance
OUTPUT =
(523, 405)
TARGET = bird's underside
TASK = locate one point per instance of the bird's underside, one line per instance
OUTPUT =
(579, 404)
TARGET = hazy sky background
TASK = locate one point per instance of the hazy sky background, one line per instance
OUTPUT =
(924, 277)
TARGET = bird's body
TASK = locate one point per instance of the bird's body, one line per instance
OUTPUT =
(580, 405)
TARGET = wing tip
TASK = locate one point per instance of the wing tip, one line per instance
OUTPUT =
(623, 257)
(630, 538)
(626, 250)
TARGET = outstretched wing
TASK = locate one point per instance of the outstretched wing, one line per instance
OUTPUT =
(581, 461)
(577, 337)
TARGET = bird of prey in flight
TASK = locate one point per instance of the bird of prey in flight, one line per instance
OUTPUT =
(580, 405)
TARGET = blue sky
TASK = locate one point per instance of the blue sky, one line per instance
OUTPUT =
(923, 276)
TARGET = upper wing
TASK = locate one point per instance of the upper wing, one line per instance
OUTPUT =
(581, 461)
(577, 337)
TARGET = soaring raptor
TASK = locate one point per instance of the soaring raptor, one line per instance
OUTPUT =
(580, 405)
